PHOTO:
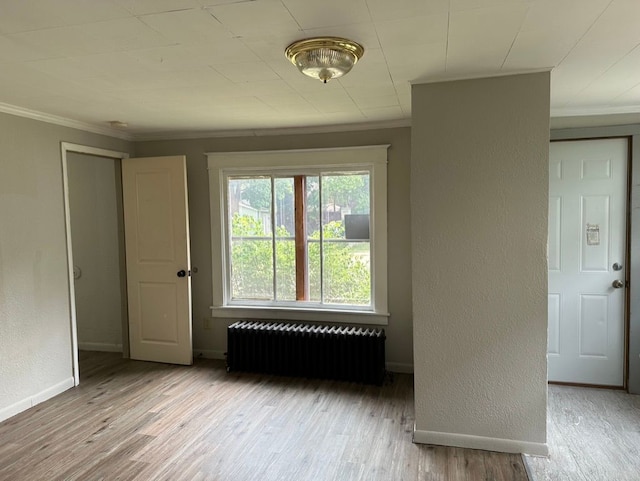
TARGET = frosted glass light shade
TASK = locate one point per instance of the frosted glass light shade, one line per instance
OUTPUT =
(324, 58)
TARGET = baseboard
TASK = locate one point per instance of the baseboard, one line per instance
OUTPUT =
(209, 354)
(14, 409)
(99, 346)
(400, 367)
(37, 398)
(480, 442)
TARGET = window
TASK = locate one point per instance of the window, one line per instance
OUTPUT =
(300, 234)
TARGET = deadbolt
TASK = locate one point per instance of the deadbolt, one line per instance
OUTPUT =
(617, 267)
(617, 284)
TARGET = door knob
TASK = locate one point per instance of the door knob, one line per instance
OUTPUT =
(617, 284)
(183, 273)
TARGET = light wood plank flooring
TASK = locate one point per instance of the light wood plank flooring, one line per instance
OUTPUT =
(145, 421)
(593, 435)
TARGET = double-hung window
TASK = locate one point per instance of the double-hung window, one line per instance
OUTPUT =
(300, 234)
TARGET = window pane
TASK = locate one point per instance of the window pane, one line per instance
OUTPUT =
(285, 239)
(252, 269)
(344, 194)
(313, 238)
(313, 262)
(346, 268)
(286, 270)
(251, 238)
(251, 197)
(346, 272)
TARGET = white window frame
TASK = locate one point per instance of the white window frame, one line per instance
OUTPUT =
(222, 165)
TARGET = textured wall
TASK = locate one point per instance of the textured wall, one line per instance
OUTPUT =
(35, 325)
(399, 330)
(94, 212)
(479, 195)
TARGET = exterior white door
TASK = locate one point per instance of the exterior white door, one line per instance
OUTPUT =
(587, 262)
(156, 226)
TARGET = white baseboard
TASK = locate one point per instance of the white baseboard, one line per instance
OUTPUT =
(99, 346)
(400, 367)
(480, 442)
(14, 409)
(37, 398)
(208, 354)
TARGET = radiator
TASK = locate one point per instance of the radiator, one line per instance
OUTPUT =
(329, 352)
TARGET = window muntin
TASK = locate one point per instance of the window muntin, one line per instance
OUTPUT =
(262, 242)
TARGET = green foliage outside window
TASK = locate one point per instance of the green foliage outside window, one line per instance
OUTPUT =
(346, 270)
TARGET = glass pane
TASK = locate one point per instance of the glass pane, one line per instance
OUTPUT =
(346, 272)
(344, 194)
(313, 238)
(285, 239)
(251, 269)
(286, 270)
(313, 259)
(251, 238)
(346, 268)
(250, 197)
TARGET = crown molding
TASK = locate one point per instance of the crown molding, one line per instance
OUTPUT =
(318, 129)
(590, 111)
(186, 135)
(308, 130)
(63, 121)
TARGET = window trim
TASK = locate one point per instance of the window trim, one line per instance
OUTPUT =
(221, 165)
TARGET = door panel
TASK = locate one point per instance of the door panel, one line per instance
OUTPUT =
(554, 324)
(157, 248)
(158, 316)
(587, 235)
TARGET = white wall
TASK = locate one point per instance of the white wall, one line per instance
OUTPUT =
(479, 201)
(212, 341)
(35, 326)
(93, 202)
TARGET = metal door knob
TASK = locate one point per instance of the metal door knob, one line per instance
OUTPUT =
(182, 273)
(617, 284)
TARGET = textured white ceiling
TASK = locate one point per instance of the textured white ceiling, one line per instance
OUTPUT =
(218, 65)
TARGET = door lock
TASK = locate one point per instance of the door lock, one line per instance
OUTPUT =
(617, 284)
(616, 267)
(182, 273)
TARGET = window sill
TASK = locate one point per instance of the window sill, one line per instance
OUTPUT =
(292, 314)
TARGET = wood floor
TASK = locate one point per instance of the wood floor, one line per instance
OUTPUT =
(144, 421)
(593, 435)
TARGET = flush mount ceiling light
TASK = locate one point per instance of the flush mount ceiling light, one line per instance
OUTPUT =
(324, 58)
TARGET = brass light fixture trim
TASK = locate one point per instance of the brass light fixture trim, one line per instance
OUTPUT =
(324, 58)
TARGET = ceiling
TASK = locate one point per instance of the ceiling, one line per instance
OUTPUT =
(170, 66)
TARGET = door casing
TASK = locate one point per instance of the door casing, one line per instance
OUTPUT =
(66, 147)
(627, 256)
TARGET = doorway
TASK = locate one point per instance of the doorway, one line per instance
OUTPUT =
(588, 262)
(95, 249)
(95, 207)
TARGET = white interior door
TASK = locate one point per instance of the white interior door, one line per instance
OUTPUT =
(158, 261)
(587, 246)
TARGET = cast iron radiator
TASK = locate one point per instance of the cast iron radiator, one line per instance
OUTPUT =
(328, 352)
